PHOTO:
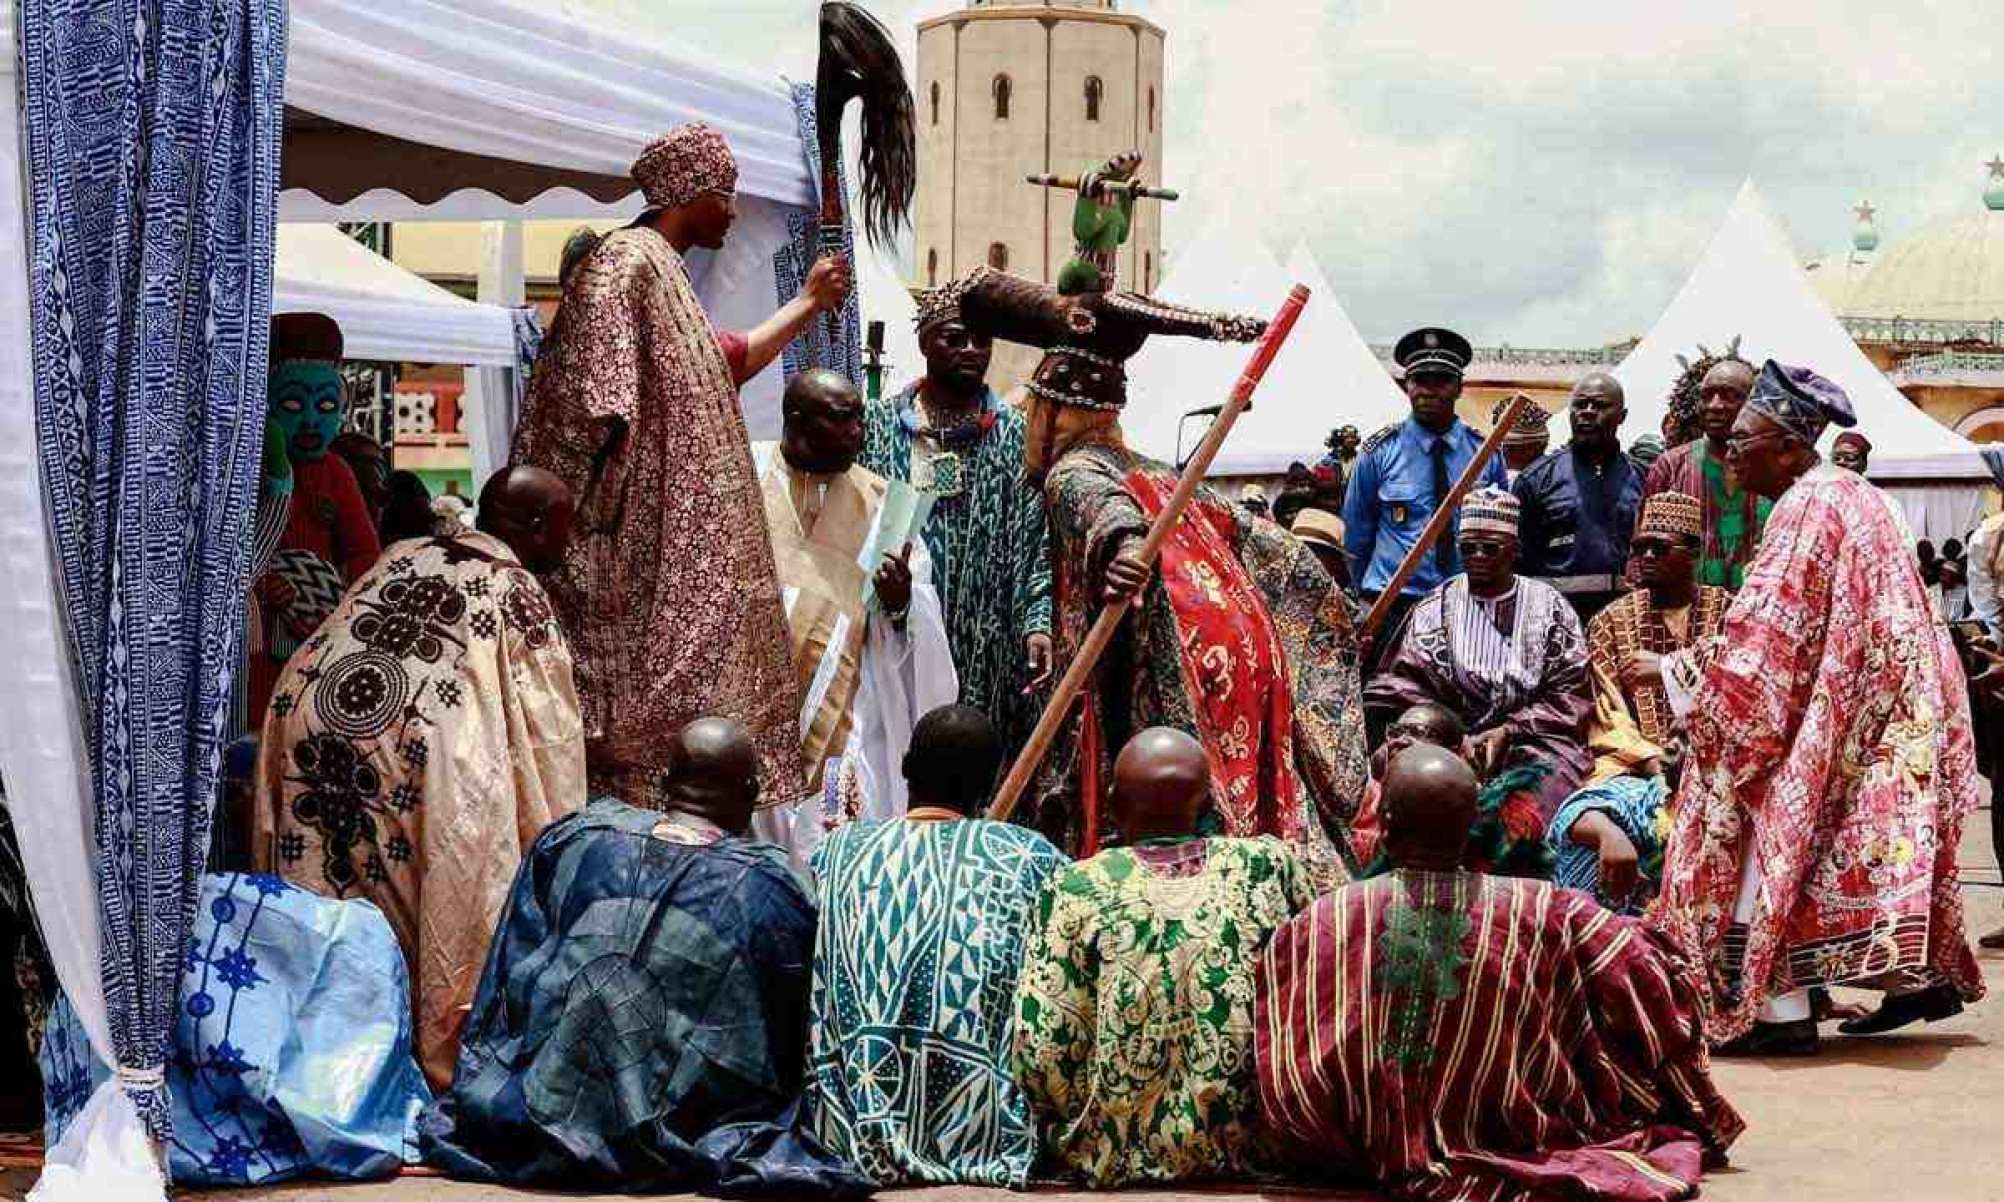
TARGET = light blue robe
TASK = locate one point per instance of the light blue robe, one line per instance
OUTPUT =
(292, 1042)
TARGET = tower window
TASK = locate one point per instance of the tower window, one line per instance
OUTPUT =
(1147, 270)
(1094, 89)
(1002, 89)
(935, 102)
(998, 256)
(1151, 109)
(932, 267)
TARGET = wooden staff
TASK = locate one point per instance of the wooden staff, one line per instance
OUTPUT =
(1108, 622)
(1442, 515)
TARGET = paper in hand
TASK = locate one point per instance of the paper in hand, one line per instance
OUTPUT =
(905, 511)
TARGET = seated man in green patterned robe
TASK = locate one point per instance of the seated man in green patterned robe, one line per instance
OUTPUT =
(1134, 1012)
(923, 919)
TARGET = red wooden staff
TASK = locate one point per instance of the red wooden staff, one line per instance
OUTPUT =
(1436, 525)
(1109, 618)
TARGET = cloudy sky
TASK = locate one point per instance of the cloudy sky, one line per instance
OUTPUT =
(1541, 174)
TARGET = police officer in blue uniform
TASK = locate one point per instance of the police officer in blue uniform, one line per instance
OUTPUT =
(1402, 474)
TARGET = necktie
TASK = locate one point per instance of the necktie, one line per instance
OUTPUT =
(1443, 550)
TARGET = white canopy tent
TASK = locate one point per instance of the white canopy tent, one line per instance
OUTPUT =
(482, 110)
(1324, 376)
(385, 312)
(391, 314)
(460, 109)
(1749, 283)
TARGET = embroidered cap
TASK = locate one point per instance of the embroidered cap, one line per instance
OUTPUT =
(683, 164)
(1490, 511)
(1319, 526)
(1800, 401)
(1856, 441)
(940, 304)
(1433, 349)
(1533, 425)
(1672, 514)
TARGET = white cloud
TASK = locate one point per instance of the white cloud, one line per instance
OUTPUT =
(1538, 173)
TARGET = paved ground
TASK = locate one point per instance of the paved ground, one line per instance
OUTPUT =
(1918, 1116)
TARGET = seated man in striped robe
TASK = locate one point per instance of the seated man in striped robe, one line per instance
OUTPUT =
(1506, 653)
(1451, 1034)
(868, 635)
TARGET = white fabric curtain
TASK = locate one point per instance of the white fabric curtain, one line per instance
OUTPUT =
(1939, 511)
(106, 1154)
(535, 87)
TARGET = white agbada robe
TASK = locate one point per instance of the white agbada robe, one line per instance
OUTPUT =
(903, 674)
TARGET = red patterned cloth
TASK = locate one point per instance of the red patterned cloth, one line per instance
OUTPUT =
(1460, 1036)
(1241, 639)
(1233, 664)
(1829, 724)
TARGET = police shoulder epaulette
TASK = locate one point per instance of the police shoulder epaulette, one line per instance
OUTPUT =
(1377, 439)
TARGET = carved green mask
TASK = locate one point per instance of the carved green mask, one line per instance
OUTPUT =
(309, 404)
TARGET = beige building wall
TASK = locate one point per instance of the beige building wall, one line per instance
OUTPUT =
(972, 195)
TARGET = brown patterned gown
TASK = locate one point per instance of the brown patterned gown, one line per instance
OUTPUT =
(415, 747)
(669, 593)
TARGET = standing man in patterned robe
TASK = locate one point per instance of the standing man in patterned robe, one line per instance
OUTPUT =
(1448, 1034)
(1507, 654)
(1734, 514)
(1608, 838)
(1236, 635)
(1135, 1009)
(419, 742)
(668, 593)
(923, 924)
(1831, 764)
(948, 434)
(869, 642)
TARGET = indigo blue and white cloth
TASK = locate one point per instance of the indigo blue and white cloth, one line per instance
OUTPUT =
(792, 261)
(923, 926)
(152, 131)
(641, 1023)
(292, 1042)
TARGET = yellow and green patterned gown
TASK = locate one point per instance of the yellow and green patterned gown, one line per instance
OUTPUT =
(1134, 1032)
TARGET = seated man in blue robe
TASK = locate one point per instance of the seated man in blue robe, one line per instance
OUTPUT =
(292, 1042)
(641, 1023)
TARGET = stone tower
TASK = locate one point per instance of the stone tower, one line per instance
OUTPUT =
(1008, 89)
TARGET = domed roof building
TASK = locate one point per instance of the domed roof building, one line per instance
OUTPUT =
(1930, 312)
(1835, 277)
(1953, 270)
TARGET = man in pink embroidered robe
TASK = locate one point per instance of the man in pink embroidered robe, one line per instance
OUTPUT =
(1832, 766)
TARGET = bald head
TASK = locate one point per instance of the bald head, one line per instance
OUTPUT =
(1596, 411)
(823, 415)
(713, 773)
(1429, 808)
(530, 510)
(1160, 782)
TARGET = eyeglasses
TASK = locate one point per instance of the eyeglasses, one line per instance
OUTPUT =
(1737, 443)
